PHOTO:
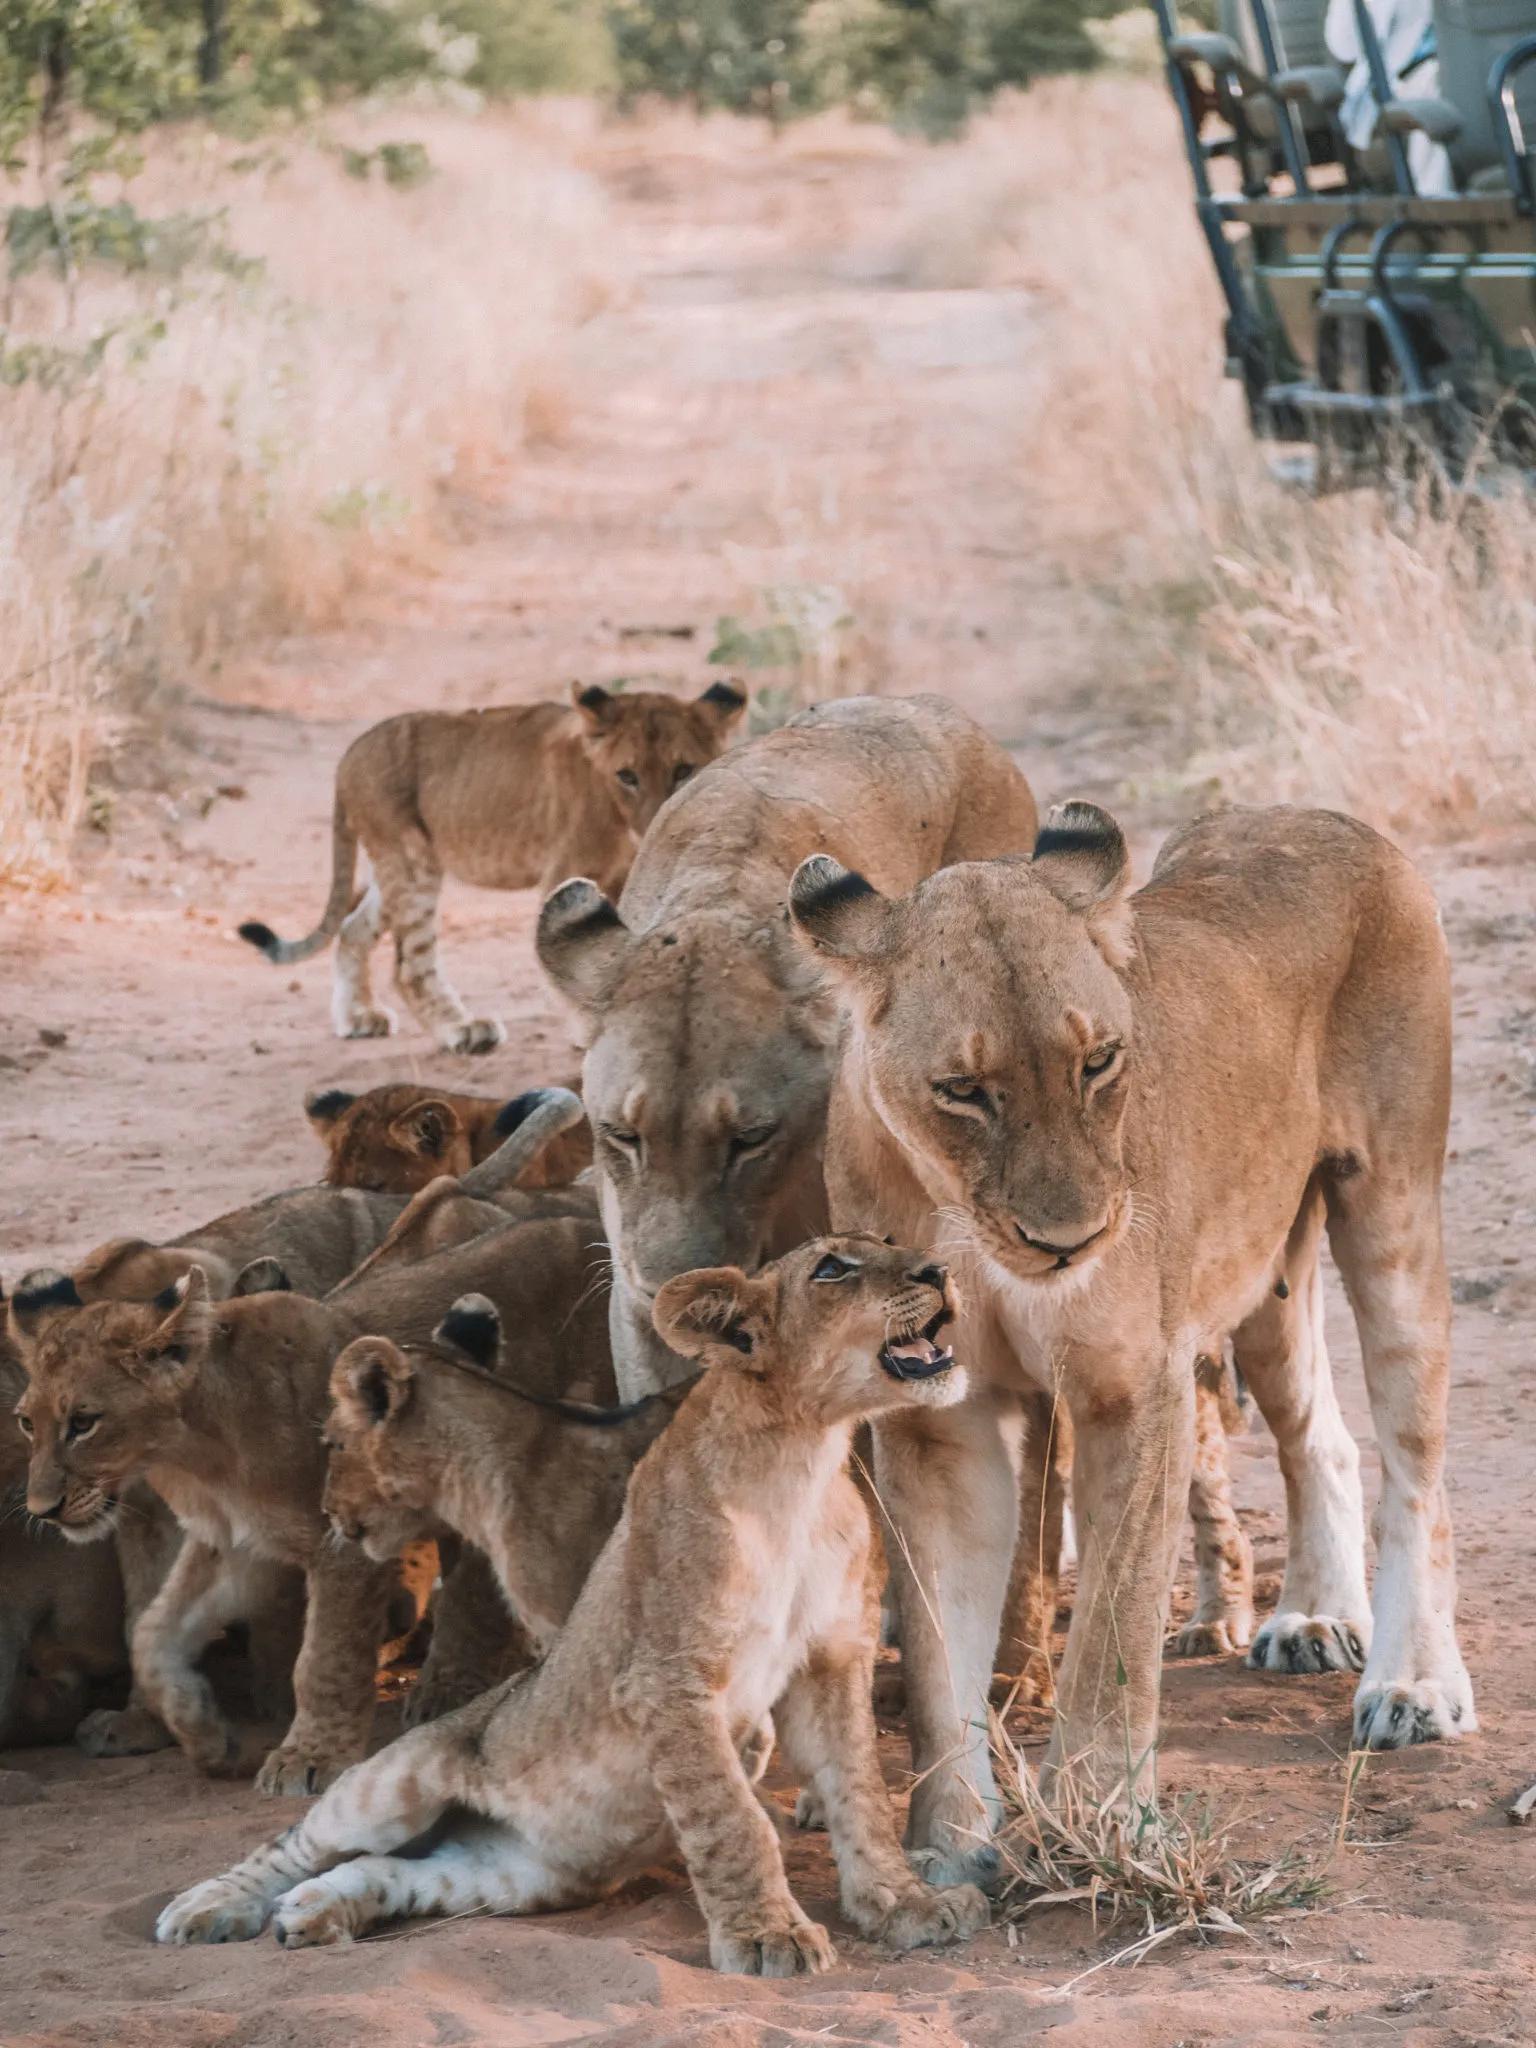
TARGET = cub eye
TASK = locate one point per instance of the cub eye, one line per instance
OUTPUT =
(961, 1088)
(24, 1424)
(833, 1268)
(681, 772)
(629, 778)
(79, 1426)
(1101, 1059)
(745, 1142)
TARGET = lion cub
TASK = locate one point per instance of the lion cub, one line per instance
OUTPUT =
(737, 1582)
(515, 797)
(399, 1137)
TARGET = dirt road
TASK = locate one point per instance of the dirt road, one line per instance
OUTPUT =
(764, 405)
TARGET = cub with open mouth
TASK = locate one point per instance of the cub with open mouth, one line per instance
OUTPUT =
(737, 1584)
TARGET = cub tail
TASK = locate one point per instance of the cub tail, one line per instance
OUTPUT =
(283, 952)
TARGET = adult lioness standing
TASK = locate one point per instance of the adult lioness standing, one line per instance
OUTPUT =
(508, 798)
(710, 1033)
(1138, 1115)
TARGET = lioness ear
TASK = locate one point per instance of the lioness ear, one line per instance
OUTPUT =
(41, 1296)
(1082, 858)
(843, 916)
(262, 1276)
(371, 1382)
(473, 1327)
(326, 1106)
(427, 1128)
(595, 704)
(718, 1305)
(178, 1344)
(581, 942)
(725, 701)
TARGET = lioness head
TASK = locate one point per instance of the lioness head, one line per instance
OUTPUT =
(105, 1386)
(992, 1034)
(644, 744)
(845, 1326)
(387, 1461)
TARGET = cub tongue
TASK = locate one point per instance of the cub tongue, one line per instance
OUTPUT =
(919, 1349)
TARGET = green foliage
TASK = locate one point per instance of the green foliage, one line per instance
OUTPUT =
(750, 56)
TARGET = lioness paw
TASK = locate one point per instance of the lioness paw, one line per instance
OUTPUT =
(296, 1773)
(212, 1911)
(946, 1868)
(923, 1918)
(474, 1035)
(792, 1947)
(1431, 1710)
(1308, 1642)
(125, 1731)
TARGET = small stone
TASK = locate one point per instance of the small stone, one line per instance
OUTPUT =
(52, 1037)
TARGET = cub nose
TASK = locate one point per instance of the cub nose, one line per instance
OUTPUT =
(930, 1276)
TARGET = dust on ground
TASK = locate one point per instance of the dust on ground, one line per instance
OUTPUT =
(765, 406)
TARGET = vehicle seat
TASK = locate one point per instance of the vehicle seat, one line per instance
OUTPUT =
(1472, 35)
(1300, 47)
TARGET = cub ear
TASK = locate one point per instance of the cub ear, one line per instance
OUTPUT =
(1082, 858)
(716, 1306)
(95, 1270)
(473, 1327)
(838, 912)
(262, 1276)
(595, 704)
(178, 1344)
(371, 1382)
(41, 1297)
(326, 1106)
(581, 943)
(427, 1128)
(725, 701)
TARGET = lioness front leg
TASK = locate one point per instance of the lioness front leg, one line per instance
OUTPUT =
(203, 1592)
(1134, 1440)
(333, 1680)
(827, 1729)
(948, 1482)
(728, 1843)
(1223, 1618)
(1025, 1674)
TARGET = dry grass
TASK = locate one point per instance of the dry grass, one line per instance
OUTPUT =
(254, 440)
(1361, 649)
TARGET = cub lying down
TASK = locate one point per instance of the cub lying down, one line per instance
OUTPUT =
(399, 1137)
(737, 1583)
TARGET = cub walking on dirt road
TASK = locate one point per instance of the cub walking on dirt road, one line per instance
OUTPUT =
(515, 797)
(737, 1582)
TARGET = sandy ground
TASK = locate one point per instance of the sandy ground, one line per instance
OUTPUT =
(763, 403)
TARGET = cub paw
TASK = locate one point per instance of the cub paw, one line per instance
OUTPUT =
(1035, 1686)
(474, 1035)
(367, 1023)
(1221, 1638)
(122, 1731)
(212, 1911)
(1395, 1716)
(296, 1773)
(1306, 1643)
(953, 1867)
(810, 1814)
(927, 1919)
(791, 1947)
(313, 1916)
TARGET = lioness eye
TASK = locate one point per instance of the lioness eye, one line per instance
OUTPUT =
(629, 778)
(743, 1142)
(627, 1141)
(24, 1424)
(833, 1268)
(961, 1088)
(1101, 1059)
(81, 1425)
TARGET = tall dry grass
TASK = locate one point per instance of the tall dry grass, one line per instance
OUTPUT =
(261, 428)
(1367, 649)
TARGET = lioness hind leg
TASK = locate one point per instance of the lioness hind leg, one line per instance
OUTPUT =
(1385, 1233)
(1223, 1618)
(1322, 1621)
(354, 1013)
(410, 881)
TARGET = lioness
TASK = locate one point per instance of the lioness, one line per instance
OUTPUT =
(423, 1436)
(1137, 1114)
(220, 1406)
(399, 1137)
(514, 797)
(710, 1035)
(736, 1583)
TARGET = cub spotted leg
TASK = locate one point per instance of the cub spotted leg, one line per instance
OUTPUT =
(354, 1013)
(1025, 1674)
(1223, 1618)
(205, 1590)
(827, 1729)
(410, 881)
(147, 1539)
(728, 1843)
(1322, 1621)
(476, 1643)
(333, 1679)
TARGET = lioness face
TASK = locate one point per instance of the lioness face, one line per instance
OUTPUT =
(103, 1394)
(849, 1326)
(644, 745)
(994, 1036)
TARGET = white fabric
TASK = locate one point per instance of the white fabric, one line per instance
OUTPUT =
(1401, 27)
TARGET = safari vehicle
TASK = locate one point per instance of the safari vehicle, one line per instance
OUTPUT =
(1365, 314)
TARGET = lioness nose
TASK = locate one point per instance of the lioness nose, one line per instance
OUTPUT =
(930, 1276)
(49, 1512)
